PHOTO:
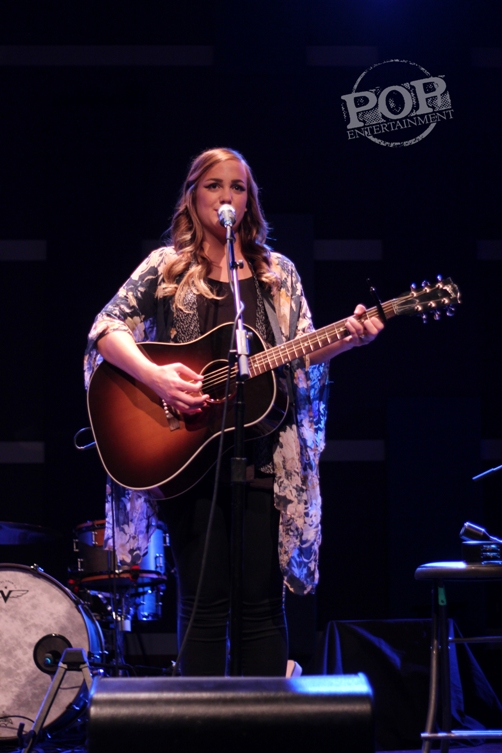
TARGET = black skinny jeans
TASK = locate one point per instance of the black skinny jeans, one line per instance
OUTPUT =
(264, 633)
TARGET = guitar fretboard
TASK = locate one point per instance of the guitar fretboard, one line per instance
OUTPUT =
(309, 343)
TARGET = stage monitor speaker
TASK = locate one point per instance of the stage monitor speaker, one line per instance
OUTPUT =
(246, 714)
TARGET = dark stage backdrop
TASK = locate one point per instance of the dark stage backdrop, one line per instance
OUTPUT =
(102, 107)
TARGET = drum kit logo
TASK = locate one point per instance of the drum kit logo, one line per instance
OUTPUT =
(9, 591)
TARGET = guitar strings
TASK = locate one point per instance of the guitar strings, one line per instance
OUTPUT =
(290, 349)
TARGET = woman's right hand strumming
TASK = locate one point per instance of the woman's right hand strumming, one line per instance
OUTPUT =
(176, 384)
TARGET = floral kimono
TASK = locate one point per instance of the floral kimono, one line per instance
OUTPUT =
(138, 309)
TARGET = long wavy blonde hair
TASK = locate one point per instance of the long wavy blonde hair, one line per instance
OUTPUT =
(190, 267)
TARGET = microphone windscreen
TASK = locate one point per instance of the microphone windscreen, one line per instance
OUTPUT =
(226, 215)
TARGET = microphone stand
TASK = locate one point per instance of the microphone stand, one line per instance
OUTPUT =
(239, 355)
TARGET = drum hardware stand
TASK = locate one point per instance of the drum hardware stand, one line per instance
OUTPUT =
(121, 625)
(118, 624)
(72, 660)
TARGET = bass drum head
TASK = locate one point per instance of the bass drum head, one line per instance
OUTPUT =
(39, 618)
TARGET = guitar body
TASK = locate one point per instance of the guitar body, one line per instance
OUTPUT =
(142, 448)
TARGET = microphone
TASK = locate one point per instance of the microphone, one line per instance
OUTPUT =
(226, 215)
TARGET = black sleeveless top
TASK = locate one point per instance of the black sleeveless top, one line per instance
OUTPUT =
(214, 312)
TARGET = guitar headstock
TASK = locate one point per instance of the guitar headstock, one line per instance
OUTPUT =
(429, 299)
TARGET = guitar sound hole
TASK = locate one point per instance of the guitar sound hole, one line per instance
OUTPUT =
(215, 379)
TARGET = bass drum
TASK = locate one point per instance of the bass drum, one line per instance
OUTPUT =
(39, 618)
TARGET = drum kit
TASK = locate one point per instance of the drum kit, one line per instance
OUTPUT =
(40, 618)
(124, 593)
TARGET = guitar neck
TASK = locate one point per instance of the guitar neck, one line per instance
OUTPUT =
(310, 342)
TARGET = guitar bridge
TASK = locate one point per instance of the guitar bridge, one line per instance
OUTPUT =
(172, 419)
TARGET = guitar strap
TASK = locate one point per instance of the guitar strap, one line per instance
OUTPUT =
(272, 316)
(279, 339)
(165, 319)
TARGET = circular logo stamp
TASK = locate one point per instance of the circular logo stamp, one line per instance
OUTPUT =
(396, 103)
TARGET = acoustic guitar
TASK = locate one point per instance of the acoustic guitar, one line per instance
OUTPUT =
(143, 444)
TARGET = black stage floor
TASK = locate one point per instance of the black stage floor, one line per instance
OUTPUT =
(486, 748)
(53, 747)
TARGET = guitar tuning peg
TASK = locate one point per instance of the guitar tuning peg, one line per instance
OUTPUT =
(437, 315)
(450, 311)
(413, 286)
(425, 318)
(426, 284)
(439, 278)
